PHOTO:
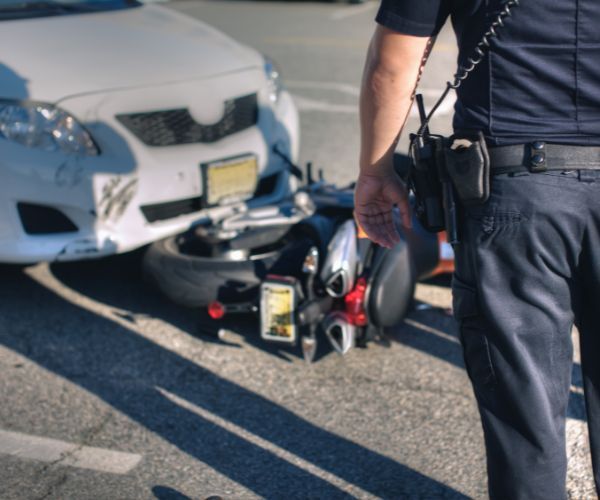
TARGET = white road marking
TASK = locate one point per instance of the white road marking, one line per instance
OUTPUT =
(577, 390)
(344, 88)
(267, 445)
(309, 104)
(63, 453)
(313, 41)
(430, 329)
(355, 10)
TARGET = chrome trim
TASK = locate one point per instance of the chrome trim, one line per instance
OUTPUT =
(339, 331)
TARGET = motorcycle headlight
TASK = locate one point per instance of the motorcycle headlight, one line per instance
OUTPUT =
(274, 82)
(44, 126)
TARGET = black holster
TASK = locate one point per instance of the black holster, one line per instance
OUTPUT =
(467, 164)
(444, 170)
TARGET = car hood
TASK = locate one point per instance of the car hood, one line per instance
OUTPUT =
(51, 58)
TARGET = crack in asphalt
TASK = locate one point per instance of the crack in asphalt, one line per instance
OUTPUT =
(55, 486)
(86, 439)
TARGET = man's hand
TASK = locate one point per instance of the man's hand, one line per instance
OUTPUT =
(375, 196)
(392, 69)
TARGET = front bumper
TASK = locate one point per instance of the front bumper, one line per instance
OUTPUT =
(107, 197)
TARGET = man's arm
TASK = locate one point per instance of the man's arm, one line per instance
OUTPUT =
(392, 69)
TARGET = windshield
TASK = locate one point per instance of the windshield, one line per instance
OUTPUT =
(19, 9)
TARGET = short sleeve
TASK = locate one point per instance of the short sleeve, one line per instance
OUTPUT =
(413, 17)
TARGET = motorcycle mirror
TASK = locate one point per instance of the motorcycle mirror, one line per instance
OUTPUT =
(309, 348)
(309, 173)
(311, 261)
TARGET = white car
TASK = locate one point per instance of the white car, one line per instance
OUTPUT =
(123, 123)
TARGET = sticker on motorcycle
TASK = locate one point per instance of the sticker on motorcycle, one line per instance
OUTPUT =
(277, 304)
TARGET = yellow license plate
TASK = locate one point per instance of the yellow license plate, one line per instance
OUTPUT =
(230, 180)
(277, 303)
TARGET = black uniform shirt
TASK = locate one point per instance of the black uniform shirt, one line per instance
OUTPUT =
(541, 78)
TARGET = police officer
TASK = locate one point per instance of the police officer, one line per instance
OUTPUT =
(528, 265)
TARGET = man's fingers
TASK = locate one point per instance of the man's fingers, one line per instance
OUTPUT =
(376, 228)
(370, 229)
(386, 228)
(375, 234)
(403, 205)
(392, 232)
(405, 214)
(390, 228)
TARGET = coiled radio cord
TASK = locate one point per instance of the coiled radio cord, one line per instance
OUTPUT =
(478, 55)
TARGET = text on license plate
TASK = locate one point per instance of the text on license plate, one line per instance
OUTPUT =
(277, 312)
(233, 179)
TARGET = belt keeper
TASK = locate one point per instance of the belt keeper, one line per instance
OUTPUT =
(537, 157)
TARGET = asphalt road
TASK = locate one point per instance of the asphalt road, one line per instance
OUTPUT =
(109, 392)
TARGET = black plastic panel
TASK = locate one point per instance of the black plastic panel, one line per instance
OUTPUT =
(41, 219)
(171, 209)
(176, 126)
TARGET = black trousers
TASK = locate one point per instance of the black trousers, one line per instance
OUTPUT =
(527, 268)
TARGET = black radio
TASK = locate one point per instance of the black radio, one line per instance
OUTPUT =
(435, 205)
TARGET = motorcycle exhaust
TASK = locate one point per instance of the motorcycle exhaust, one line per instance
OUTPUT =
(339, 331)
(339, 269)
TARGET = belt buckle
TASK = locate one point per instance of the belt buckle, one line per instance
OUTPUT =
(537, 157)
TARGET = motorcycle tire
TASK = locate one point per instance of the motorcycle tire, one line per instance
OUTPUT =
(195, 279)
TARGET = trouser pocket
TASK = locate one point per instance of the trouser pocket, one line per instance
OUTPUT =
(473, 334)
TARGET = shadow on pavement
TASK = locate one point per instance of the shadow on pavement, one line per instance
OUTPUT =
(134, 375)
(117, 281)
(166, 493)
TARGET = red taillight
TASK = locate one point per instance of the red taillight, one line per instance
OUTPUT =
(355, 303)
(216, 310)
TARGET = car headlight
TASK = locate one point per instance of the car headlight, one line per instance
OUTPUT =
(274, 82)
(44, 126)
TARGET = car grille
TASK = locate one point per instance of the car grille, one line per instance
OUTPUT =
(176, 126)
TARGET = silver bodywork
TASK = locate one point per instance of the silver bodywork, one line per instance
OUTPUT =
(340, 332)
(339, 268)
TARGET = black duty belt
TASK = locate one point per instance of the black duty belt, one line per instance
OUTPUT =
(539, 157)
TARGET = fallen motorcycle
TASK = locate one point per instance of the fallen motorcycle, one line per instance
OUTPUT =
(301, 266)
